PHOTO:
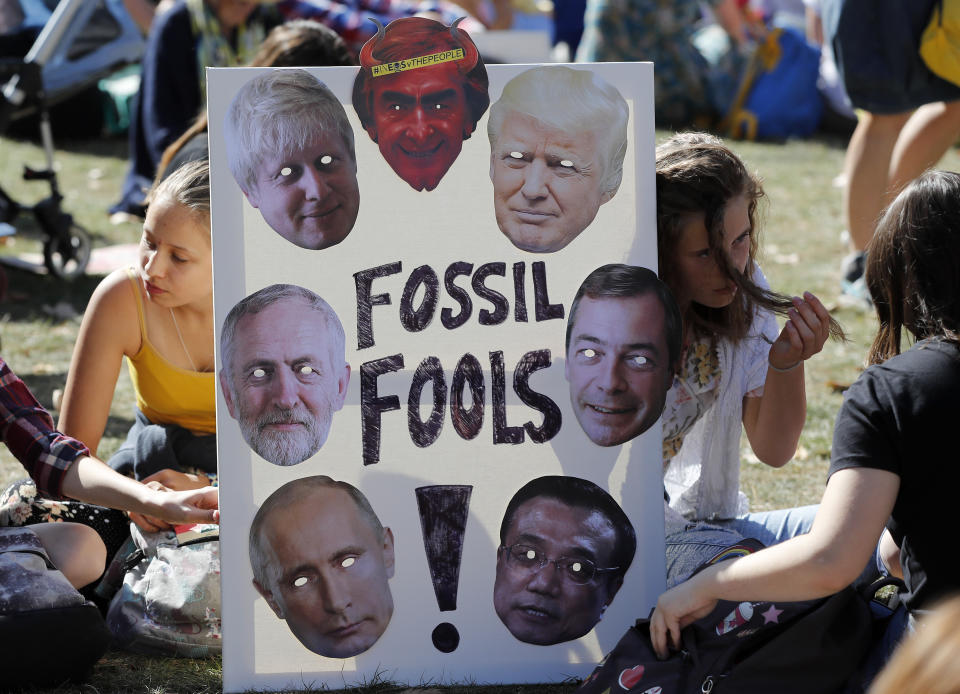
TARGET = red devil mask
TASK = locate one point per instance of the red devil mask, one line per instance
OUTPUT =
(415, 90)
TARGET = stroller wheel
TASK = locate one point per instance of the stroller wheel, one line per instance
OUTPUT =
(67, 257)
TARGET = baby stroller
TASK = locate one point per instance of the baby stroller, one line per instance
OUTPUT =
(81, 42)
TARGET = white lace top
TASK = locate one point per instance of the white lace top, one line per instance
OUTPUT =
(703, 419)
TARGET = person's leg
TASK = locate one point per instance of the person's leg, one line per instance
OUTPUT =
(20, 505)
(866, 166)
(147, 449)
(124, 458)
(925, 137)
(197, 453)
(75, 549)
(773, 527)
(686, 551)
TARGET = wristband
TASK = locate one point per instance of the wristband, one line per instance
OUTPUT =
(786, 370)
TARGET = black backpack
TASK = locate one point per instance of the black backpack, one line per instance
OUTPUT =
(49, 633)
(814, 646)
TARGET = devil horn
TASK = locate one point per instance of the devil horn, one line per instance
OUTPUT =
(470, 53)
(366, 53)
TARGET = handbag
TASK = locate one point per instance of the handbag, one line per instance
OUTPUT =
(940, 41)
(169, 603)
(746, 647)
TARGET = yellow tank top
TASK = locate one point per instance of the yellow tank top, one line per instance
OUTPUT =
(167, 394)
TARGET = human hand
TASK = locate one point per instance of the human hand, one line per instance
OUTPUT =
(675, 609)
(179, 481)
(151, 524)
(191, 506)
(177, 507)
(803, 335)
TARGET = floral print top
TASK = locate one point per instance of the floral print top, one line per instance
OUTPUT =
(693, 392)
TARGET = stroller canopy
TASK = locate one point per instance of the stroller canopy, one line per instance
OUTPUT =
(75, 42)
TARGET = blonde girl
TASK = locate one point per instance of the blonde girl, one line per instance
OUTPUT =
(159, 315)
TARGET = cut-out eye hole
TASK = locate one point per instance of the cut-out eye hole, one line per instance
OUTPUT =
(589, 353)
(299, 581)
(516, 155)
(348, 562)
(531, 554)
(576, 567)
(566, 163)
(286, 171)
(326, 159)
(259, 373)
(639, 360)
(306, 370)
(437, 106)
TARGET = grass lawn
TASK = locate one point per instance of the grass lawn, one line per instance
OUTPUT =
(801, 242)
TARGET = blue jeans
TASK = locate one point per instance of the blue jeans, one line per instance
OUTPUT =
(700, 542)
(696, 544)
(773, 527)
(151, 447)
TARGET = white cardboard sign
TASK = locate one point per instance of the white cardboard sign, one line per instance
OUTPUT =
(403, 229)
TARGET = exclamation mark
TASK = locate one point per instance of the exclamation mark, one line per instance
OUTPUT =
(443, 519)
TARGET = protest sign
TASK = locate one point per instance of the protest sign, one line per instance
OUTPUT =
(452, 274)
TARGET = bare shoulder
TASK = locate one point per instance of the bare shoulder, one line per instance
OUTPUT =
(115, 293)
(113, 305)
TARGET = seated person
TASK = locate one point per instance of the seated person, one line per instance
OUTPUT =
(351, 19)
(160, 316)
(183, 41)
(891, 463)
(738, 371)
(926, 662)
(297, 43)
(663, 33)
(62, 467)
